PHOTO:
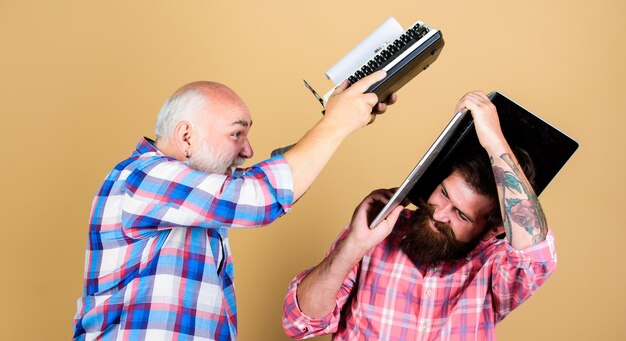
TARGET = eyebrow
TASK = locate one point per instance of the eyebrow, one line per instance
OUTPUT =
(469, 217)
(243, 123)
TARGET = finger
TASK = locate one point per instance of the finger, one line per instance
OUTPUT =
(372, 119)
(406, 202)
(388, 223)
(378, 193)
(479, 100)
(460, 105)
(341, 87)
(470, 97)
(394, 215)
(479, 97)
(368, 81)
(371, 99)
(468, 102)
(380, 108)
(382, 195)
(479, 107)
(393, 98)
(389, 193)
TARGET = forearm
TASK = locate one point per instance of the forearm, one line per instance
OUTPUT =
(524, 222)
(328, 285)
(522, 215)
(347, 110)
(317, 292)
(310, 155)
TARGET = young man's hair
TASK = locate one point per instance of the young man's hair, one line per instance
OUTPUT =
(475, 168)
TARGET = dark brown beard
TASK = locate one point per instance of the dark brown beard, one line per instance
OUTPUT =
(425, 247)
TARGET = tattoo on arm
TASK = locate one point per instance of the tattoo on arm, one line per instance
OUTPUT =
(519, 203)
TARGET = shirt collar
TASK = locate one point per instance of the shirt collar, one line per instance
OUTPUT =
(483, 245)
(146, 145)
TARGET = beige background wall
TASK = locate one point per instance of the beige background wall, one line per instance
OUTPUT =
(81, 82)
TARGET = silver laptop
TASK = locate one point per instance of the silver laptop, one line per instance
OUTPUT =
(458, 126)
(547, 146)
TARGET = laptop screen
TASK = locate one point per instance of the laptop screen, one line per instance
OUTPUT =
(548, 147)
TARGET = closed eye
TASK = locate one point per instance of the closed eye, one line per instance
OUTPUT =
(444, 192)
(462, 215)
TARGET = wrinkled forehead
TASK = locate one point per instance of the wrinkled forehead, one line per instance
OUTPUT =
(224, 105)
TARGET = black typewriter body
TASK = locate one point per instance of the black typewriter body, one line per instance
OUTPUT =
(404, 58)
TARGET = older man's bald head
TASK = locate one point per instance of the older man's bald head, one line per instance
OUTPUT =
(192, 102)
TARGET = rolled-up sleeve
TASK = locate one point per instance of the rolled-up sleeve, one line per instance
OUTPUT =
(299, 325)
(161, 193)
(517, 274)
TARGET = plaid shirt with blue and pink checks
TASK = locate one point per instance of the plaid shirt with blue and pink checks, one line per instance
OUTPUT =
(158, 264)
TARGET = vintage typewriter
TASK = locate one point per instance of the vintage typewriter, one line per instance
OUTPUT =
(404, 58)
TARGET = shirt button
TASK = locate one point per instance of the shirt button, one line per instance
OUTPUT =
(429, 293)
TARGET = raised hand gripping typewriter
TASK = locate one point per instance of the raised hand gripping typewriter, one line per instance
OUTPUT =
(401, 53)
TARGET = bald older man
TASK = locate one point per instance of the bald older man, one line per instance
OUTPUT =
(158, 264)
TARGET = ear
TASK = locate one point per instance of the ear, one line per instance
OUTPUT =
(182, 139)
(494, 231)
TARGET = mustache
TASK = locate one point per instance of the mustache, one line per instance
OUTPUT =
(423, 246)
(238, 161)
(429, 211)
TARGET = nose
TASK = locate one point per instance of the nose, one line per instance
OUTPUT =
(246, 150)
(442, 213)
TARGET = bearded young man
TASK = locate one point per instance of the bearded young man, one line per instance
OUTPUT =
(440, 272)
(158, 264)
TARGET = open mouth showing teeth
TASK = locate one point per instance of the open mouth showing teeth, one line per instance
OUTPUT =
(431, 224)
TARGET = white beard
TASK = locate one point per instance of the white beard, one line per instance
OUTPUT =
(211, 161)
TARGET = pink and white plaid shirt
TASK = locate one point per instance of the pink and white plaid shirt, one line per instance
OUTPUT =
(387, 297)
